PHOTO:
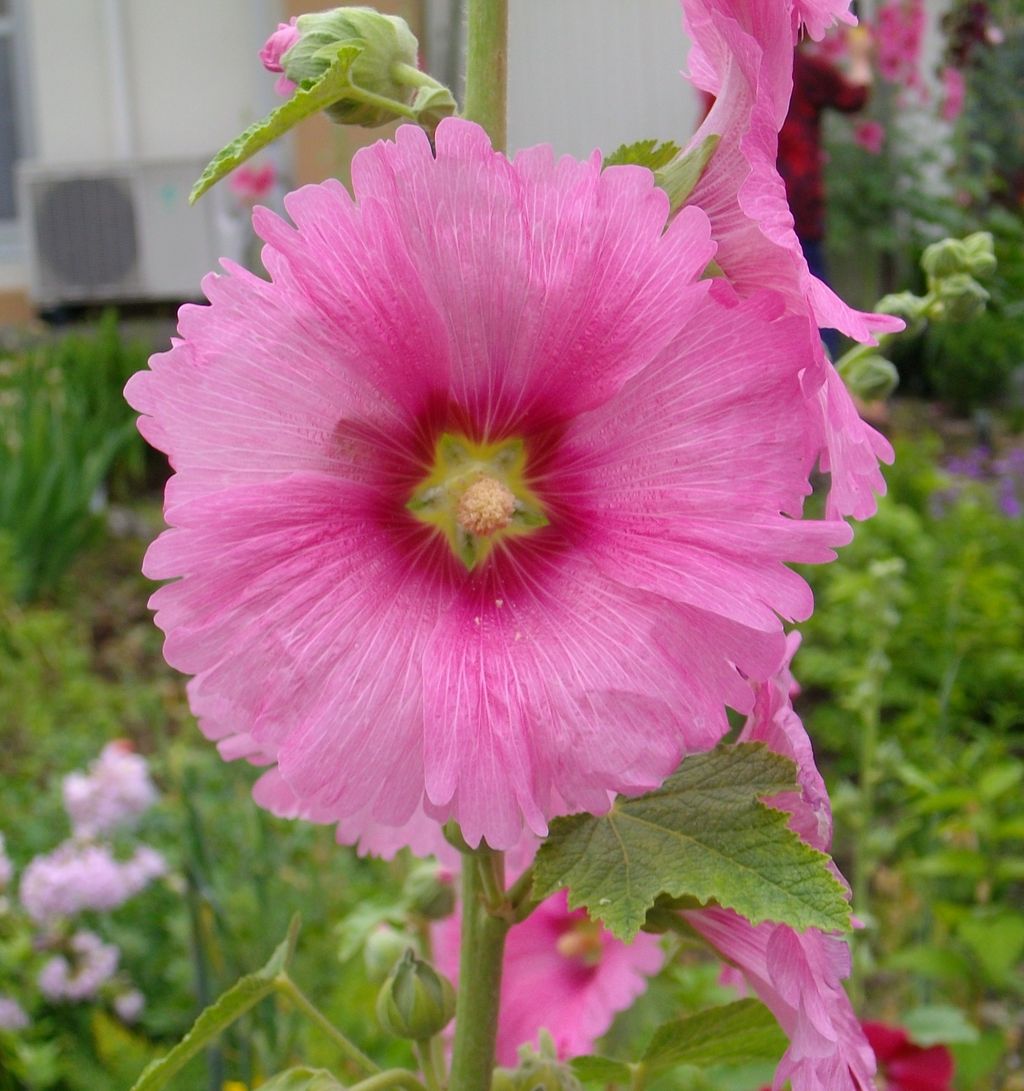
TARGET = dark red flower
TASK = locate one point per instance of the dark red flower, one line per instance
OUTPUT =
(906, 1066)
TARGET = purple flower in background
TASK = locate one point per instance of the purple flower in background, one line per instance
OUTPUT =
(114, 791)
(12, 1014)
(129, 1005)
(1004, 476)
(92, 963)
(77, 877)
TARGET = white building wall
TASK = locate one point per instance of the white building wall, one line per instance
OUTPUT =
(585, 74)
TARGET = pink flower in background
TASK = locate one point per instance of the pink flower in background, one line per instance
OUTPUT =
(129, 1005)
(906, 1066)
(76, 877)
(274, 49)
(798, 976)
(78, 975)
(251, 184)
(562, 973)
(12, 1015)
(954, 89)
(899, 36)
(870, 135)
(742, 54)
(114, 791)
(421, 499)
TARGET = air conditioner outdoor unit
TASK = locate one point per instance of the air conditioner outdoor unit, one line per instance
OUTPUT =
(122, 231)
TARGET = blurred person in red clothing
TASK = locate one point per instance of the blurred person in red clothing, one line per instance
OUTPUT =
(818, 85)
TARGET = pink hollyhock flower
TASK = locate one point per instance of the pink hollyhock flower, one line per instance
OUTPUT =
(114, 792)
(476, 510)
(252, 184)
(899, 34)
(274, 49)
(562, 973)
(742, 54)
(798, 976)
(870, 135)
(954, 89)
(906, 1066)
(816, 16)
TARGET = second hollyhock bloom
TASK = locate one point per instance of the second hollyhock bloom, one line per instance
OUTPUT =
(481, 505)
(907, 1066)
(562, 973)
(743, 56)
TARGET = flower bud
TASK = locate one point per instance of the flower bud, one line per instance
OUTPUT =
(943, 259)
(537, 1071)
(902, 304)
(980, 253)
(415, 1001)
(384, 947)
(385, 40)
(961, 298)
(869, 376)
(429, 891)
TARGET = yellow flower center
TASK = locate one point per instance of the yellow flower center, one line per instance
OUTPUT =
(581, 942)
(476, 494)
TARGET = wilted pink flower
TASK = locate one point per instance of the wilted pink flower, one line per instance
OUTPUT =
(798, 976)
(129, 1005)
(274, 49)
(954, 89)
(477, 503)
(562, 973)
(12, 1015)
(75, 877)
(870, 135)
(113, 793)
(906, 1066)
(252, 184)
(742, 54)
(78, 975)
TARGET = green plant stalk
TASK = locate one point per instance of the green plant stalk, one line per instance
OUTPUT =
(284, 985)
(480, 962)
(487, 68)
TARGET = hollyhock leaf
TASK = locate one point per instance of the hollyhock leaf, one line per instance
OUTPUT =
(306, 101)
(703, 833)
(246, 993)
(644, 153)
(302, 1079)
(731, 1034)
(679, 177)
(603, 1070)
(938, 1024)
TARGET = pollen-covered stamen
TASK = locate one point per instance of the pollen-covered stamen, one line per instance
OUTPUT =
(582, 943)
(486, 506)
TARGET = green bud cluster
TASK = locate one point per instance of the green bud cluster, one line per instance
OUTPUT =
(415, 1001)
(536, 1071)
(429, 892)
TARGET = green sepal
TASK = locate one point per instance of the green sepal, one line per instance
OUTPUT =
(868, 374)
(306, 101)
(302, 1079)
(679, 178)
(705, 834)
(592, 1068)
(246, 993)
(644, 153)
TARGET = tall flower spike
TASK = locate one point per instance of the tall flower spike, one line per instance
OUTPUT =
(534, 305)
(743, 55)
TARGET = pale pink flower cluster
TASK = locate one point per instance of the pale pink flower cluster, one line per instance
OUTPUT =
(12, 1015)
(899, 36)
(77, 877)
(78, 975)
(870, 135)
(129, 1005)
(954, 91)
(114, 791)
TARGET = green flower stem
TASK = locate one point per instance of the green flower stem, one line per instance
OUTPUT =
(430, 1054)
(392, 1077)
(480, 960)
(351, 1051)
(487, 68)
(360, 94)
(409, 75)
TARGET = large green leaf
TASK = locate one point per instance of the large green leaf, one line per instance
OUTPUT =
(703, 834)
(325, 91)
(244, 994)
(302, 1079)
(731, 1034)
